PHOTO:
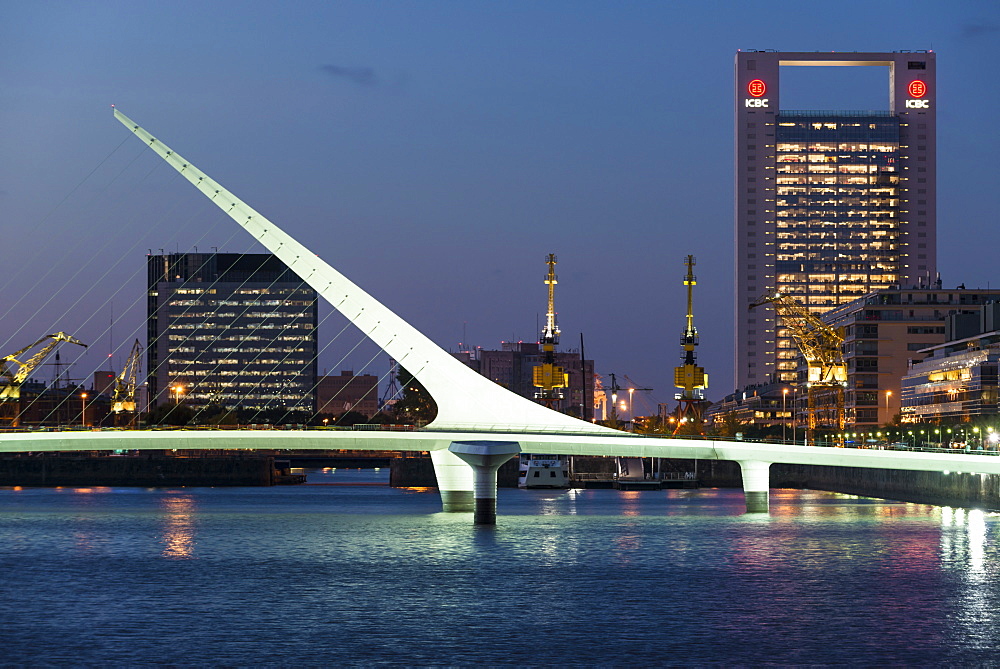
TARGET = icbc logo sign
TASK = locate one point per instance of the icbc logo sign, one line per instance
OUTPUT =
(756, 89)
(917, 89)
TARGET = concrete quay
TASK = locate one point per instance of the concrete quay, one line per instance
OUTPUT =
(147, 470)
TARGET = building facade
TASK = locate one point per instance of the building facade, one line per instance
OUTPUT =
(766, 405)
(957, 380)
(336, 395)
(230, 330)
(513, 365)
(830, 205)
(883, 333)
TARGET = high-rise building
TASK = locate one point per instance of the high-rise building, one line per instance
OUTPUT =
(830, 205)
(230, 330)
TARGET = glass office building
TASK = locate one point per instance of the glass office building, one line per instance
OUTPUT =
(830, 205)
(230, 330)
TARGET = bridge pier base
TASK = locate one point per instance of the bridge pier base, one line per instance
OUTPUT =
(454, 479)
(756, 484)
(485, 458)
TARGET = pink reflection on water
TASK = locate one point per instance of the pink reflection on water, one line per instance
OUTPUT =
(178, 530)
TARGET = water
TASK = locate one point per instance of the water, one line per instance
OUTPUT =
(327, 574)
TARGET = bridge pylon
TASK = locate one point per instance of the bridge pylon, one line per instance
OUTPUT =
(485, 458)
(756, 484)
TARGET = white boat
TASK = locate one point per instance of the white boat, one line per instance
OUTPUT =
(543, 471)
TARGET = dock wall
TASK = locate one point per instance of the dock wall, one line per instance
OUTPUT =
(953, 489)
(136, 471)
(418, 472)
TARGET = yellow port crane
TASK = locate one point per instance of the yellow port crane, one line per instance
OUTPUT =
(689, 377)
(123, 399)
(549, 378)
(13, 377)
(820, 346)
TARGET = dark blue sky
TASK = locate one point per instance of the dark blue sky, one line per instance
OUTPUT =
(436, 151)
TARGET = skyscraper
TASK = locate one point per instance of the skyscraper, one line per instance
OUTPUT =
(830, 205)
(230, 330)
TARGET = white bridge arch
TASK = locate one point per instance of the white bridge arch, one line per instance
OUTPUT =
(465, 399)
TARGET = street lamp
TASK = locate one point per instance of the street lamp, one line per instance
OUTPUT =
(784, 413)
(795, 415)
(178, 391)
(888, 417)
(83, 409)
(631, 407)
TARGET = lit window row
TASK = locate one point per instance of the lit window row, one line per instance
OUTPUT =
(833, 180)
(825, 147)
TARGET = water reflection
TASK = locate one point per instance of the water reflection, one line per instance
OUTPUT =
(630, 502)
(965, 549)
(86, 538)
(550, 503)
(178, 526)
(977, 544)
(572, 495)
(628, 541)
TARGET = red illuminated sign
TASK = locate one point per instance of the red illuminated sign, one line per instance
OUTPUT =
(917, 89)
(756, 88)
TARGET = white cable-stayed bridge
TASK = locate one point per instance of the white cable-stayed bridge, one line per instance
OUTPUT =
(479, 424)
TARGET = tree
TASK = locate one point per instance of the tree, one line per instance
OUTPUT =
(728, 426)
(381, 419)
(416, 405)
(349, 418)
(169, 414)
(651, 425)
(219, 417)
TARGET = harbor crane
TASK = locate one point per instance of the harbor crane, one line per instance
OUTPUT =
(820, 346)
(689, 377)
(123, 399)
(14, 372)
(548, 378)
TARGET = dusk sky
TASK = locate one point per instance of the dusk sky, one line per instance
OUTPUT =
(435, 152)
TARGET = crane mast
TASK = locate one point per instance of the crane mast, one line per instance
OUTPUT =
(820, 346)
(123, 400)
(548, 378)
(689, 377)
(12, 378)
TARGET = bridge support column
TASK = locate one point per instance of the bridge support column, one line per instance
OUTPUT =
(485, 458)
(756, 483)
(454, 479)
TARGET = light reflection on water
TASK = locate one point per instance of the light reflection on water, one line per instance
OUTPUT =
(362, 574)
(178, 525)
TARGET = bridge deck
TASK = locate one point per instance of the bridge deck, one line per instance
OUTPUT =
(556, 444)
